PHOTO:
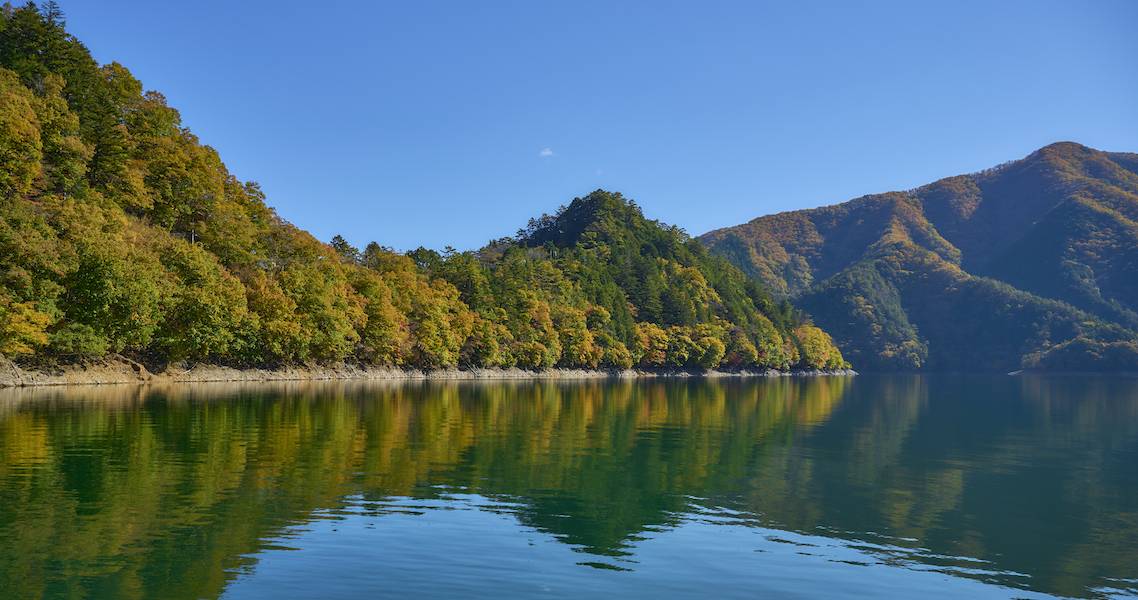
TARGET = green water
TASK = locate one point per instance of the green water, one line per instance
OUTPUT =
(865, 487)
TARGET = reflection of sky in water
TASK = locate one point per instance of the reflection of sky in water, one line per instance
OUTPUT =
(465, 545)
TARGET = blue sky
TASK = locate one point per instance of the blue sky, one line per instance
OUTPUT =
(435, 123)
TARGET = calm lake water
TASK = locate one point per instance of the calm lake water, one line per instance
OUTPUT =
(902, 486)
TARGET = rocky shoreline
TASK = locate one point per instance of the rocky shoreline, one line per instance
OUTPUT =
(119, 370)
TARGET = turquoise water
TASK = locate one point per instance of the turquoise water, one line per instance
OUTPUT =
(871, 486)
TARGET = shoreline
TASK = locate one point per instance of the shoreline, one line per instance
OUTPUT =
(120, 371)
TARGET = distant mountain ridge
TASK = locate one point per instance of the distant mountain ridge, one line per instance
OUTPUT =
(1030, 264)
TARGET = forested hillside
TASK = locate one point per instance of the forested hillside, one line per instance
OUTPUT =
(121, 233)
(1031, 264)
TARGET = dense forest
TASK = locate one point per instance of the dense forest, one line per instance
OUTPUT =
(121, 233)
(1033, 264)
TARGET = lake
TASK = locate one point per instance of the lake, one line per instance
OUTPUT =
(868, 486)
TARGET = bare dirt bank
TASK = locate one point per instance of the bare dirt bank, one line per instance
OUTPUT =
(118, 370)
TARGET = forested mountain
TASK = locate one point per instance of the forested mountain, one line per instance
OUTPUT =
(615, 283)
(121, 233)
(1030, 264)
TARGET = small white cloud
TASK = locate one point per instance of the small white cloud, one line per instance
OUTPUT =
(545, 152)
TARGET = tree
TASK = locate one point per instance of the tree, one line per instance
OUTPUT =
(53, 14)
(21, 150)
(346, 251)
(23, 329)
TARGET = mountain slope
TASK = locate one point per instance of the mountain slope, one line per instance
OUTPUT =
(121, 233)
(1030, 264)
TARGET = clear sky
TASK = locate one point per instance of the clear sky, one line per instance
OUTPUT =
(435, 123)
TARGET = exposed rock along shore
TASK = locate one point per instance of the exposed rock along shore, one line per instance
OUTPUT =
(124, 371)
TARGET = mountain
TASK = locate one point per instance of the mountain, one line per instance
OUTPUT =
(1031, 264)
(650, 287)
(121, 233)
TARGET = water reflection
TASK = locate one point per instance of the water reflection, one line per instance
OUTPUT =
(133, 492)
